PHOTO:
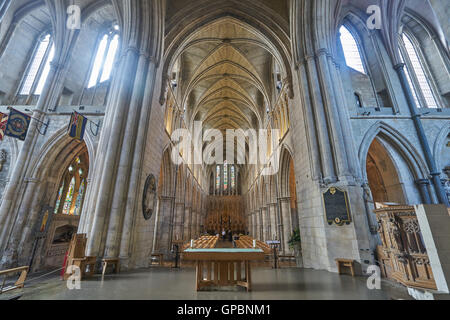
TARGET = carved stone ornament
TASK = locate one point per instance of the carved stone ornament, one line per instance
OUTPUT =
(149, 197)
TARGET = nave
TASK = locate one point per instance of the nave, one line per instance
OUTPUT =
(282, 284)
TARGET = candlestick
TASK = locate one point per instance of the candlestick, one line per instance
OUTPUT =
(192, 243)
(254, 243)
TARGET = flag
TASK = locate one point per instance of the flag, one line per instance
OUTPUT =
(77, 126)
(3, 121)
(17, 124)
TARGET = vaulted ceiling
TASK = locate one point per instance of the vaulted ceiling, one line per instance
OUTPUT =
(225, 76)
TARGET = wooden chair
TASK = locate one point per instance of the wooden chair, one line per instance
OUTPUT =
(110, 261)
(89, 262)
(159, 256)
(349, 263)
(76, 254)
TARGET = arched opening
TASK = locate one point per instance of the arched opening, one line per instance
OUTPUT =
(293, 195)
(382, 176)
(288, 200)
(72, 189)
(62, 211)
(166, 203)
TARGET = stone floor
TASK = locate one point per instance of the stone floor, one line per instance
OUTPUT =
(178, 284)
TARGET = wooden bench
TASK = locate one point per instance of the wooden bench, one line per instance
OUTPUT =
(349, 263)
(160, 257)
(19, 283)
(110, 261)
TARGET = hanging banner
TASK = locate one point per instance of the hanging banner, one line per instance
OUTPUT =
(17, 124)
(3, 120)
(77, 126)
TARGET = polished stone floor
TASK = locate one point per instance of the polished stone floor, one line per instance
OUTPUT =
(178, 284)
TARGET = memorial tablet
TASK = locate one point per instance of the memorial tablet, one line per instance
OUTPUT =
(337, 207)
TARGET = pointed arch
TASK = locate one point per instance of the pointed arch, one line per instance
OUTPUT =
(54, 147)
(286, 159)
(439, 144)
(416, 164)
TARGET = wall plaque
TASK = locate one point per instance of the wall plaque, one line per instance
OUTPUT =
(149, 197)
(337, 206)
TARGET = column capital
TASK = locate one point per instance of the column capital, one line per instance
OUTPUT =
(31, 180)
(399, 66)
(424, 182)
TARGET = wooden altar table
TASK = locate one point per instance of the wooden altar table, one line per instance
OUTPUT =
(222, 267)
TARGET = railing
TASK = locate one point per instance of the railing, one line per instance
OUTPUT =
(402, 255)
(19, 283)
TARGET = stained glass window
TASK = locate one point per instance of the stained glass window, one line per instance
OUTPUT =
(39, 67)
(233, 181)
(69, 196)
(351, 51)
(73, 187)
(417, 69)
(58, 200)
(217, 177)
(78, 202)
(225, 176)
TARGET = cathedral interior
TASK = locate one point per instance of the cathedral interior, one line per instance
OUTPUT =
(347, 102)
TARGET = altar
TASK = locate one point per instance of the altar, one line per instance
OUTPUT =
(223, 267)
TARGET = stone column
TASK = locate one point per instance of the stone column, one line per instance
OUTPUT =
(136, 171)
(187, 223)
(50, 93)
(273, 221)
(331, 103)
(107, 175)
(423, 187)
(164, 225)
(434, 172)
(254, 223)
(11, 255)
(178, 224)
(3, 8)
(118, 169)
(265, 224)
(28, 236)
(320, 123)
(194, 226)
(125, 161)
(286, 223)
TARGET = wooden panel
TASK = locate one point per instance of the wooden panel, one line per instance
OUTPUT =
(402, 255)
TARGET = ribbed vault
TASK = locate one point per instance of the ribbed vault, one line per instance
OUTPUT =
(225, 75)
